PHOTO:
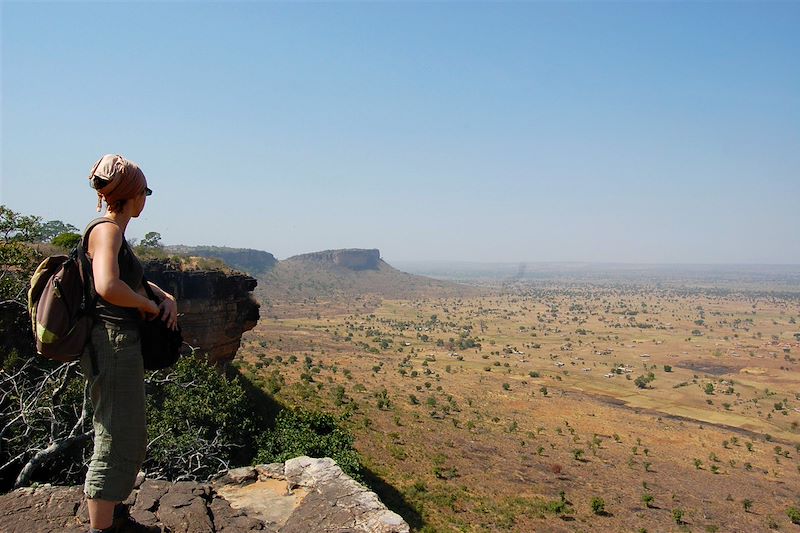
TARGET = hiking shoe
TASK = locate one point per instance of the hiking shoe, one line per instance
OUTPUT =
(123, 523)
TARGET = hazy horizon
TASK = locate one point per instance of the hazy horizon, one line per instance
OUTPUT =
(630, 133)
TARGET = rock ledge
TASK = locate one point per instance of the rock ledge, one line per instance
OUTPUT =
(298, 496)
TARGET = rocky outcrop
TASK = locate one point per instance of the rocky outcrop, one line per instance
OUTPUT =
(299, 496)
(353, 258)
(253, 262)
(216, 307)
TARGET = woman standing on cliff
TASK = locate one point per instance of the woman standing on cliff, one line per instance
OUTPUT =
(113, 360)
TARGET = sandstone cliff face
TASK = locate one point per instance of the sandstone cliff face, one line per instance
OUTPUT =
(216, 307)
(300, 496)
(253, 262)
(353, 258)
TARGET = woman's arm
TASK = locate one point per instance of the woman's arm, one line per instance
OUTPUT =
(105, 241)
(168, 305)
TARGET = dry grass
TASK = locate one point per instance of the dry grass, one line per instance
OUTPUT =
(483, 448)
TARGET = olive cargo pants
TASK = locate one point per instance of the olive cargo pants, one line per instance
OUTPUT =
(118, 397)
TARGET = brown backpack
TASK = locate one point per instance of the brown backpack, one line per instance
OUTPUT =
(61, 302)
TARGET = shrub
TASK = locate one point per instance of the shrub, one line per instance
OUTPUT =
(301, 432)
(198, 409)
(598, 506)
(560, 506)
(647, 499)
(68, 241)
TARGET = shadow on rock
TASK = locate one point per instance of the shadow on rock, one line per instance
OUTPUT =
(393, 499)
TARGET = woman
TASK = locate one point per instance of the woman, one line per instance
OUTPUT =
(113, 361)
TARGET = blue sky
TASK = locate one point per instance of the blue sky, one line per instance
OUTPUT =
(611, 132)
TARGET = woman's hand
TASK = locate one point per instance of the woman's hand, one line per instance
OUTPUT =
(169, 311)
(149, 310)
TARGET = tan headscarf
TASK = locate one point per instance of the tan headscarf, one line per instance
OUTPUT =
(123, 179)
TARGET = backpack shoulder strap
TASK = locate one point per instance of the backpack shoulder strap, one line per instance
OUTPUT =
(84, 244)
(85, 267)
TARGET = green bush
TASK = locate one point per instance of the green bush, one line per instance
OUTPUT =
(598, 506)
(68, 241)
(301, 432)
(199, 422)
(560, 506)
(647, 499)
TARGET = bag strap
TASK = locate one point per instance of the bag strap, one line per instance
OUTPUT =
(149, 290)
(90, 297)
(150, 294)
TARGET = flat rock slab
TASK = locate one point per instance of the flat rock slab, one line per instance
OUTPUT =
(266, 500)
(299, 496)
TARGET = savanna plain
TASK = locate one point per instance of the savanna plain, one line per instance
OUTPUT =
(551, 405)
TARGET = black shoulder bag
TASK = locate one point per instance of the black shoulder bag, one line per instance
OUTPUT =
(160, 345)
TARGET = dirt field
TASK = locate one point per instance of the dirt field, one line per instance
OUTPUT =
(560, 408)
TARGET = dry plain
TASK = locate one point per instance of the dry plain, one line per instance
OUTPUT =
(558, 407)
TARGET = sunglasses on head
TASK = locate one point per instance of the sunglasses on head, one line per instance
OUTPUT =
(147, 191)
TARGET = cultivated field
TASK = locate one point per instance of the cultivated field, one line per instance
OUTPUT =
(560, 407)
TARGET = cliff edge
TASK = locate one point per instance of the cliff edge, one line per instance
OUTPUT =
(216, 307)
(351, 258)
(298, 496)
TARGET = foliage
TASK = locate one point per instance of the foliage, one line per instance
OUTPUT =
(647, 499)
(301, 432)
(18, 255)
(560, 506)
(68, 241)
(15, 227)
(17, 263)
(151, 239)
(598, 506)
(18, 259)
(794, 514)
(199, 422)
(643, 381)
(53, 229)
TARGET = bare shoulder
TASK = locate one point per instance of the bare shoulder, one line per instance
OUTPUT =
(105, 237)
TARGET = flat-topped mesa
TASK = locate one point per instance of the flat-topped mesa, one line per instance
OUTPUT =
(216, 307)
(352, 258)
(253, 262)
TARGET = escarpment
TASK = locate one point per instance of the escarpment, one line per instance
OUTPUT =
(253, 262)
(216, 307)
(352, 258)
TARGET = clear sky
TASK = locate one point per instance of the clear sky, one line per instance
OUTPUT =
(610, 132)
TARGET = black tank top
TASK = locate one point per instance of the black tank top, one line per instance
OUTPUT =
(130, 272)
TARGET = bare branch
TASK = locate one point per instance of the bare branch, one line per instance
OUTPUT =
(55, 448)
